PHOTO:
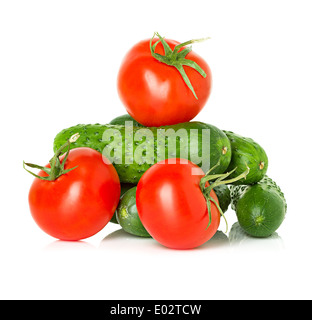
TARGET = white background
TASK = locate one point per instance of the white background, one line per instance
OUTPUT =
(58, 67)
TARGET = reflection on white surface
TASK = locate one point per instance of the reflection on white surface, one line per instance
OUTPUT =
(59, 245)
(124, 241)
(219, 240)
(239, 238)
(121, 240)
(236, 239)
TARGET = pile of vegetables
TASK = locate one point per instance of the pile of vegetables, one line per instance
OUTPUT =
(176, 195)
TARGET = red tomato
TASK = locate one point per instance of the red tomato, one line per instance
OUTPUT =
(172, 207)
(155, 93)
(79, 203)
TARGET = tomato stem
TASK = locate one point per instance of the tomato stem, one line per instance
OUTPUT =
(56, 167)
(189, 49)
(219, 180)
(177, 59)
(221, 212)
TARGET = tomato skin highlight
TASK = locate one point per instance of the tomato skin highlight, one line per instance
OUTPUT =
(172, 208)
(155, 93)
(79, 203)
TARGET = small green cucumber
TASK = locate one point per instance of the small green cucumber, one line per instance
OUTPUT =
(124, 188)
(127, 215)
(260, 208)
(245, 151)
(146, 146)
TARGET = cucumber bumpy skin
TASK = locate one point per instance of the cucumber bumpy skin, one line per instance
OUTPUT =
(121, 120)
(260, 208)
(224, 196)
(246, 151)
(91, 136)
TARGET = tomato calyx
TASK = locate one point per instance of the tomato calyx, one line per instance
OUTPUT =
(219, 180)
(57, 168)
(177, 59)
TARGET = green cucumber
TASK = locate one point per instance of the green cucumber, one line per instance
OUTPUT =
(245, 151)
(224, 196)
(260, 208)
(146, 146)
(121, 120)
(124, 188)
(127, 215)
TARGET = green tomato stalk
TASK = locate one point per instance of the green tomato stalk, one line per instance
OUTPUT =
(219, 180)
(177, 59)
(57, 168)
